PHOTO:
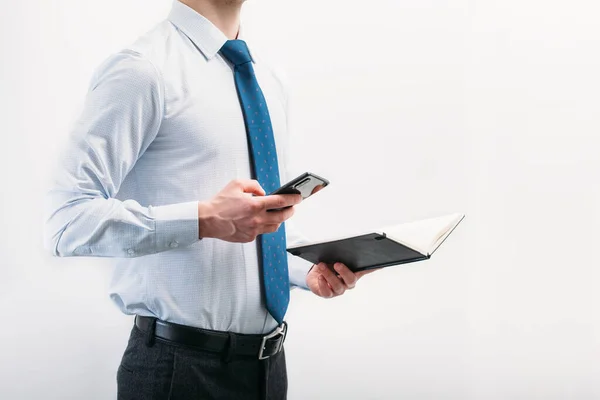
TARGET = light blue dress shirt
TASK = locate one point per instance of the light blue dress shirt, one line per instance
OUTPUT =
(162, 129)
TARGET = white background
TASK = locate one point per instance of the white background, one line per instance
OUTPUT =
(412, 108)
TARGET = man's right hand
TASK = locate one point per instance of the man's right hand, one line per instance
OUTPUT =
(234, 215)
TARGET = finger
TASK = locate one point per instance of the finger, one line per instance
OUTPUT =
(360, 274)
(280, 201)
(347, 276)
(324, 289)
(336, 283)
(278, 217)
(249, 186)
(271, 228)
(316, 189)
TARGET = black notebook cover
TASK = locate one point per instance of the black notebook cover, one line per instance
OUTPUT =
(360, 253)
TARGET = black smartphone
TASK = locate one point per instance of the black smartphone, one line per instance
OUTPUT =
(306, 185)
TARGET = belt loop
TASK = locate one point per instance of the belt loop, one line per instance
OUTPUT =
(150, 333)
(230, 348)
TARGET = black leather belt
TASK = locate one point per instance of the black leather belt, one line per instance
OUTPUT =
(260, 346)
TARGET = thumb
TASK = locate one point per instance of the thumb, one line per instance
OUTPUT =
(251, 186)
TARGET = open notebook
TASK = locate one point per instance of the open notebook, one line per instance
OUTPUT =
(394, 245)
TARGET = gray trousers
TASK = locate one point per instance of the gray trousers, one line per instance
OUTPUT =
(156, 370)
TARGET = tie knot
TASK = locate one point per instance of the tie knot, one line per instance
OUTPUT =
(236, 52)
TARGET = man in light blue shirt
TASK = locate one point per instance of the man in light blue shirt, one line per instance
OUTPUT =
(158, 175)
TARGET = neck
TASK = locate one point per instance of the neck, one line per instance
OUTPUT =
(224, 14)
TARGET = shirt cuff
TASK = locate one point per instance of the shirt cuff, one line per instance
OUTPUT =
(298, 270)
(176, 225)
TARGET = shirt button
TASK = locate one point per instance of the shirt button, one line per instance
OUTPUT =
(130, 252)
(174, 244)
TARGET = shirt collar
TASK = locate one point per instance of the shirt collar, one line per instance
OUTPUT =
(207, 37)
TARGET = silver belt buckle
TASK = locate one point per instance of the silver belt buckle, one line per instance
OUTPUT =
(281, 330)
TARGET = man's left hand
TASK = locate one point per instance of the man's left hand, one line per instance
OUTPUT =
(328, 283)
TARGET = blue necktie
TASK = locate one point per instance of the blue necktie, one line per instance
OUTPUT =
(272, 246)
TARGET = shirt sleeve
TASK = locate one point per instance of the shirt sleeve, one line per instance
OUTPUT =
(121, 117)
(297, 266)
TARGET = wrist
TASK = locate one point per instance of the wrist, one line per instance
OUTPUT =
(308, 273)
(205, 226)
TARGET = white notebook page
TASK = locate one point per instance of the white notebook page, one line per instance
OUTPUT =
(425, 235)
